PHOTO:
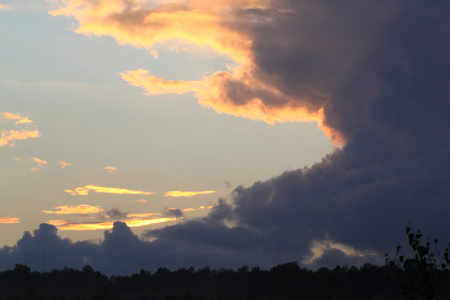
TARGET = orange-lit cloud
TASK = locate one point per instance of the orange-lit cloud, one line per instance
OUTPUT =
(239, 91)
(83, 191)
(89, 226)
(187, 193)
(5, 7)
(8, 220)
(8, 137)
(143, 215)
(143, 201)
(110, 169)
(82, 209)
(39, 162)
(21, 120)
(198, 208)
(63, 164)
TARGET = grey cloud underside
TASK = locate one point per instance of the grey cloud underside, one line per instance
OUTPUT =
(381, 71)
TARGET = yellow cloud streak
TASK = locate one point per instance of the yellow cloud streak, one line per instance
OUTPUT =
(89, 226)
(7, 220)
(187, 193)
(83, 191)
(198, 208)
(82, 209)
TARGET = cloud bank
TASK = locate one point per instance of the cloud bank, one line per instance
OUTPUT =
(374, 75)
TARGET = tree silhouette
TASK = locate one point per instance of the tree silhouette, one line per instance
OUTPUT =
(421, 276)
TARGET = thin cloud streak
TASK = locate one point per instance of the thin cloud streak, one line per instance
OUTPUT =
(84, 191)
(197, 209)
(91, 226)
(8, 220)
(187, 193)
(82, 209)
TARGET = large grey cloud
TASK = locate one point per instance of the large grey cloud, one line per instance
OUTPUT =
(381, 70)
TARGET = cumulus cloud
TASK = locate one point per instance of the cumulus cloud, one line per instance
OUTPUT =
(374, 75)
(34, 160)
(83, 191)
(9, 137)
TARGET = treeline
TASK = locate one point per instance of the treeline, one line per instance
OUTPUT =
(285, 281)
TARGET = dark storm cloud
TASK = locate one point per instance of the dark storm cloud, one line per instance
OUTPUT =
(381, 71)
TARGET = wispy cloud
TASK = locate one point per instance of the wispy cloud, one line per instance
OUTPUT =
(318, 249)
(8, 220)
(39, 162)
(83, 191)
(143, 201)
(110, 169)
(5, 7)
(187, 193)
(64, 164)
(143, 215)
(82, 209)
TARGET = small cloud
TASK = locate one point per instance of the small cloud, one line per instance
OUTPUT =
(143, 215)
(110, 169)
(319, 248)
(64, 164)
(39, 162)
(8, 220)
(82, 209)
(10, 136)
(174, 212)
(187, 193)
(5, 7)
(116, 213)
(83, 191)
(140, 201)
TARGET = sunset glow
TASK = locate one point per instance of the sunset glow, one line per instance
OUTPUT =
(90, 226)
(83, 191)
(82, 209)
(8, 220)
(187, 193)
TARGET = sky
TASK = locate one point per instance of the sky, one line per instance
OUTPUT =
(145, 134)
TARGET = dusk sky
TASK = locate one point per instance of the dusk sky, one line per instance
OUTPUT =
(141, 134)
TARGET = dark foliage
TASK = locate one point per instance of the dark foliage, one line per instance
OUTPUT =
(285, 281)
